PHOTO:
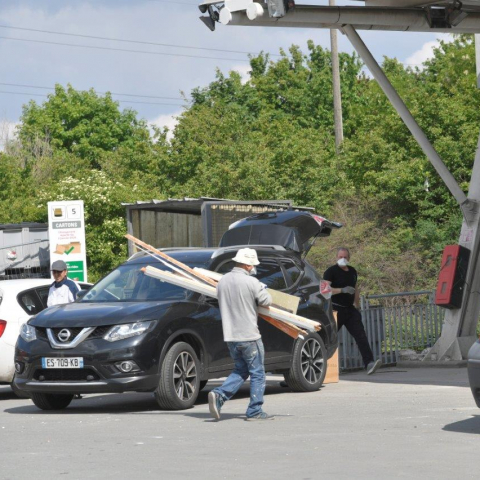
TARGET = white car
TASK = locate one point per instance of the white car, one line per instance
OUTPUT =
(19, 300)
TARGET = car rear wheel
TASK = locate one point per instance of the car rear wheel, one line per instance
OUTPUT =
(179, 383)
(49, 401)
(309, 364)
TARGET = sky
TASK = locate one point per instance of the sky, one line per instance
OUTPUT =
(151, 78)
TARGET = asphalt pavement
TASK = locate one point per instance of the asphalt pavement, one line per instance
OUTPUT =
(400, 423)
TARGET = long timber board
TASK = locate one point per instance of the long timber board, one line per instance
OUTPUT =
(210, 291)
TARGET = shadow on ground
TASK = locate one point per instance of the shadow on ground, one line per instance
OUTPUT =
(469, 425)
(143, 403)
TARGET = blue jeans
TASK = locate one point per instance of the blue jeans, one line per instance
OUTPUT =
(249, 358)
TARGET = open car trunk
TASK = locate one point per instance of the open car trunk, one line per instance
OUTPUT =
(291, 229)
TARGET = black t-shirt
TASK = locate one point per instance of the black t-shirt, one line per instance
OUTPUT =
(340, 278)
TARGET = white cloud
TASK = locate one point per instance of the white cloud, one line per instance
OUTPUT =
(169, 121)
(425, 52)
(243, 70)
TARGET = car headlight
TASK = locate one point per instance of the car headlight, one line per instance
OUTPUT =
(119, 332)
(28, 333)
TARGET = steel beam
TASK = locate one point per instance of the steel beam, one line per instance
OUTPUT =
(407, 117)
(361, 18)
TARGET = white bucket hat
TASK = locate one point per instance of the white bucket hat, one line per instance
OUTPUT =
(247, 256)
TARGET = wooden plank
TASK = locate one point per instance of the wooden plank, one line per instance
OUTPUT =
(211, 291)
(186, 268)
(286, 327)
(281, 299)
(171, 260)
(333, 367)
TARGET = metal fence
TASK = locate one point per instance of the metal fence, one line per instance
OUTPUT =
(28, 260)
(393, 323)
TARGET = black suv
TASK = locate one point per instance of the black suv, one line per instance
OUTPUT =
(132, 332)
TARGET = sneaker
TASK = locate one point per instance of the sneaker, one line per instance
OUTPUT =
(261, 416)
(372, 367)
(214, 404)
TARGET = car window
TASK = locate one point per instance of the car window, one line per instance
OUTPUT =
(293, 272)
(43, 294)
(308, 278)
(129, 284)
(268, 272)
(30, 302)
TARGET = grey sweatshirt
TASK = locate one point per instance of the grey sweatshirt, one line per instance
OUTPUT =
(238, 296)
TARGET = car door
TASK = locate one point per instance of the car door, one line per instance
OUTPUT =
(42, 293)
(30, 305)
(218, 355)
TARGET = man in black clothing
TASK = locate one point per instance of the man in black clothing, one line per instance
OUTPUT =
(343, 280)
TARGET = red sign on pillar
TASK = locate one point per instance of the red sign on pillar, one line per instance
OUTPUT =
(451, 280)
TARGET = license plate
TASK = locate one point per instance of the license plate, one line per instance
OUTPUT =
(69, 362)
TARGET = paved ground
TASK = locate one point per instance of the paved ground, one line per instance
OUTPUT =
(416, 423)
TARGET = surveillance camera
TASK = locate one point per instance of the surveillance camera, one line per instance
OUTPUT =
(203, 8)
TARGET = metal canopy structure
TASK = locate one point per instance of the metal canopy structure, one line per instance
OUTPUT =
(450, 16)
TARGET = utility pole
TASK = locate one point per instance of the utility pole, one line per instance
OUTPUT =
(337, 94)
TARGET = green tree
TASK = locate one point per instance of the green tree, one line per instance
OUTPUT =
(82, 123)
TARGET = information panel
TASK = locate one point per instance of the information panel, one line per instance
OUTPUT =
(66, 232)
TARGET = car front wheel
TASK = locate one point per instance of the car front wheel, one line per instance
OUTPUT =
(49, 401)
(179, 383)
(309, 364)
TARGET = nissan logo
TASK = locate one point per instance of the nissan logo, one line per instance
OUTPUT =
(64, 335)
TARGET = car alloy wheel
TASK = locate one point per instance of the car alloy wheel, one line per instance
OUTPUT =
(312, 361)
(179, 382)
(309, 364)
(185, 376)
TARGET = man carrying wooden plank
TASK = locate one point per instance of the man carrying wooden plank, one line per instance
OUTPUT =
(239, 294)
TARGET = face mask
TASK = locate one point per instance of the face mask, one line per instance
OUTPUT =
(253, 271)
(343, 262)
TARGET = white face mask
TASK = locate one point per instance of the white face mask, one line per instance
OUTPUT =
(253, 271)
(342, 262)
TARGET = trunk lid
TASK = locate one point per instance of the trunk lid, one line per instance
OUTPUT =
(291, 229)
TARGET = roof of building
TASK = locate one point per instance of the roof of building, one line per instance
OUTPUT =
(194, 205)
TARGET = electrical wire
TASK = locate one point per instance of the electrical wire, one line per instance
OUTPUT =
(169, 45)
(123, 50)
(141, 42)
(102, 93)
(122, 101)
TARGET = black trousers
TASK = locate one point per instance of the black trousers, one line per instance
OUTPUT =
(352, 319)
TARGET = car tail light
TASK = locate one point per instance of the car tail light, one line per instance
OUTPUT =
(3, 326)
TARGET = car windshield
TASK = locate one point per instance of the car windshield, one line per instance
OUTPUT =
(128, 283)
